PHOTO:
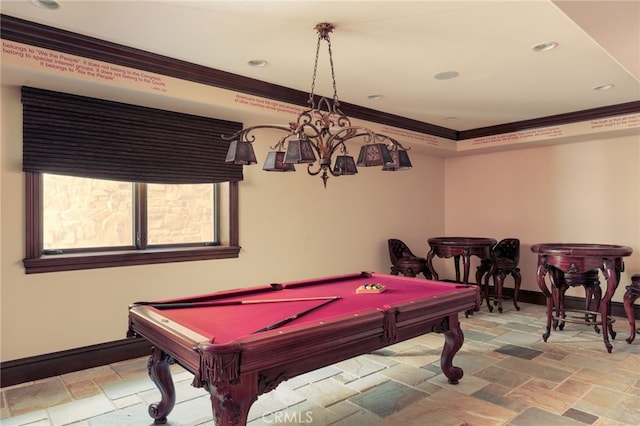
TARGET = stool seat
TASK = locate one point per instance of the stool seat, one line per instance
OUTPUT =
(630, 296)
(414, 263)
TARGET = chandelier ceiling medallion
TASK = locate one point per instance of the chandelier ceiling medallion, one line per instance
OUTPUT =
(320, 133)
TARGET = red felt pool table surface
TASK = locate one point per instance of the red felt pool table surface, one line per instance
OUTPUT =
(235, 361)
(222, 324)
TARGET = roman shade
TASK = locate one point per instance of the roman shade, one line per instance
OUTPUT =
(81, 136)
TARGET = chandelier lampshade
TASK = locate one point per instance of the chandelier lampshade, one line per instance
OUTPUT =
(400, 161)
(300, 151)
(345, 165)
(275, 163)
(241, 152)
(374, 154)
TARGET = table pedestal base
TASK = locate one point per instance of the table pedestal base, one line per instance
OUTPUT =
(594, 305)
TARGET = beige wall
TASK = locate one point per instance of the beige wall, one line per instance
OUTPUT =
(290, 228)
(576, 192)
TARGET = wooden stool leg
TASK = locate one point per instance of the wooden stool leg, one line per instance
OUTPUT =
(629, 298)
(593, 294)
(517, 278)
(487, 289)
(498, 282)
(560, 313)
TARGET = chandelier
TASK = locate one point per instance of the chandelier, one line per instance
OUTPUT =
(318, 137)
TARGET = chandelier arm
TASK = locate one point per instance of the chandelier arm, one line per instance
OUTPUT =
(394, 142)
(354, 132)
(398, 145)
(245, 136)
(368, 136)
(336, 174)
(335, 142)
(316, 132)
(312, 173)
(334, 145)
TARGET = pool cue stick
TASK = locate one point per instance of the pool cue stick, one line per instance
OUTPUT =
(295, 316)
(178, 305)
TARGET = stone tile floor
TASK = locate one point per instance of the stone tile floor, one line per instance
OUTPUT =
(511, 378)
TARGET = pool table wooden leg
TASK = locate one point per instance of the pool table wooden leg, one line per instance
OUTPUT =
(231, 402)
(453, 338)
(160, 373)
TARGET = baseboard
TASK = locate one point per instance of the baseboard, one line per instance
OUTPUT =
(57, 363)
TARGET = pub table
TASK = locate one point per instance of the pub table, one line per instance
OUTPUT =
(456, 247)
(574, 264)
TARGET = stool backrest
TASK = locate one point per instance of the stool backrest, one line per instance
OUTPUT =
(508, 248)
(398, 249)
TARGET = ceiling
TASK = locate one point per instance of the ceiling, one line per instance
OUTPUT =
(393, 49)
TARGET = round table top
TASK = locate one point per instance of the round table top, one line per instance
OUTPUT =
(581, 249)
(462, 241)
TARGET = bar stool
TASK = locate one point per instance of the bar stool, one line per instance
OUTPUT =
(506, 255)
(404, 262)
(630, 296)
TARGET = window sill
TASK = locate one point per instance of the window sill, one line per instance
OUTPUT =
(72, 262)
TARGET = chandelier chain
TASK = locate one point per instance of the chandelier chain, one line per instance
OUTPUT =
(315, 71)
(323, 34)
(336, 103)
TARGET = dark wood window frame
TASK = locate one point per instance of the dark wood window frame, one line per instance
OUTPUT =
(36, 262)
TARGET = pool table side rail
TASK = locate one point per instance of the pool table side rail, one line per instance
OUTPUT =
(335, 341)
(182, 347)
(220, 295)
(252, 291)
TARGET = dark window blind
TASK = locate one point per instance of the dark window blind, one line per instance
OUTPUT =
(80, 136)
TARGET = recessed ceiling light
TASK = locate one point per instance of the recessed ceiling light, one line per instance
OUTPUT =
(257, 63)
(446, 75)
(374, 97)
(47, 4)
(604, 87)
(545, 47)
(450, 118)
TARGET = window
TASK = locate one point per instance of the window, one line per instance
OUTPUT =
(181, 214)
(83, 160)
(82, 214)
(90, 223)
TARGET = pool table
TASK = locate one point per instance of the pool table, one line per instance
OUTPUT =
(244, 342)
